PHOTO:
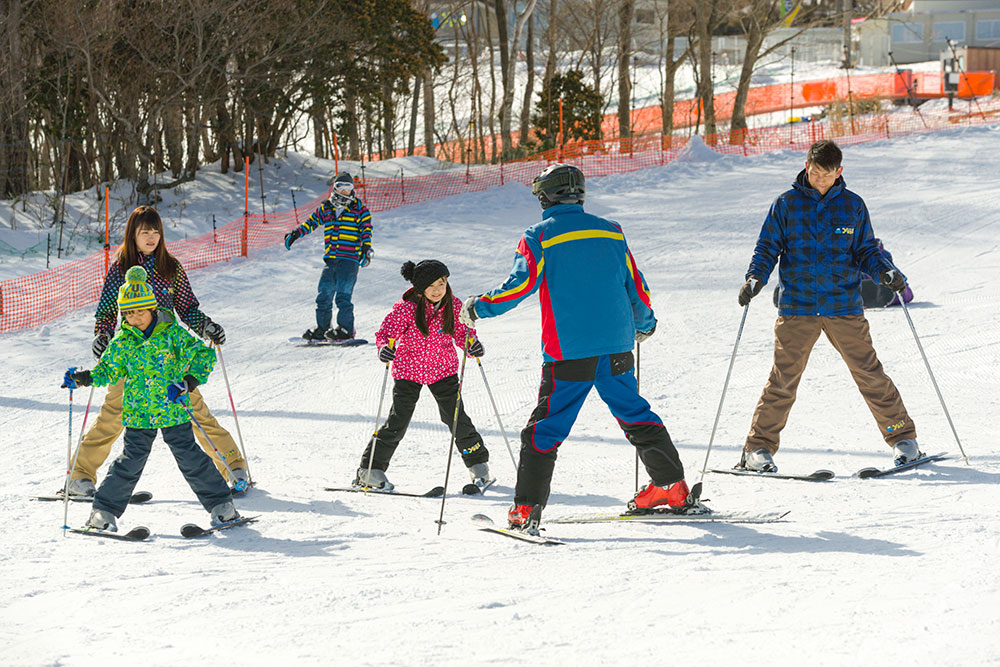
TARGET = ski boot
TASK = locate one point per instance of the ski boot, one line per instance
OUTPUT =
(102, 520)
(373, 479)
(224, 513)
(82, 487)
(480, 474)
(339, 334)
(525, 518)
(759, 460)
(238, 480)
(905, 451)
(315, 334)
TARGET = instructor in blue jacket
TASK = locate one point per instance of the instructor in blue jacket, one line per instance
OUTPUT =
(820, 236)
(595, 306)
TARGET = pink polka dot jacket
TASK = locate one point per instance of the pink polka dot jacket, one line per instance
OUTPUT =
(175, 296)
(419, 358)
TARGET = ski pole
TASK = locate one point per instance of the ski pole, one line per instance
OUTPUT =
(933, 381)
(69, 455)
(241, 485)
(725, 386)
(638, 356)
(497, 413)
(72, 464)
(454, 429)
(378, 416)
(232, 404)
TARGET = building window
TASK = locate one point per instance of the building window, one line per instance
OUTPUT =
(645, 16)
(907, 32)
(987, 30)
(953, 30)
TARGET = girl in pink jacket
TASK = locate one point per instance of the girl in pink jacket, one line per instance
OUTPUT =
(419, 337)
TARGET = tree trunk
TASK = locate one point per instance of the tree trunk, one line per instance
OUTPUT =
(14, 136)
(625, 11)
(316, 112)
(429, 112)
(173, 130)
(417, 84)
(506, 80)
(738, 124)
(529, 61)
(704, 21)
(353, 127)
(192, 121)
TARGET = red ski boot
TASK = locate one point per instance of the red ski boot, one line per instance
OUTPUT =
(525, 518)
(674, 496)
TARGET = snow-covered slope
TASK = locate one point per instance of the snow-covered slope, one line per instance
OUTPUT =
(900, 570)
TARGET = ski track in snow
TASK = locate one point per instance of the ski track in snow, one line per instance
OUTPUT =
(900, 569)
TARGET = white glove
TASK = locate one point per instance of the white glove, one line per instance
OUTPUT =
(467, 315)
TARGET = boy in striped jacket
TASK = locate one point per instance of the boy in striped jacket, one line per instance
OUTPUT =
(347, 245)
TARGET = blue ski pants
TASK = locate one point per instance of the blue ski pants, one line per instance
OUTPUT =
(564, 386)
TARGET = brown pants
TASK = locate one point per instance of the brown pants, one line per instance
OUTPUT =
(794, 338)
(97, 442)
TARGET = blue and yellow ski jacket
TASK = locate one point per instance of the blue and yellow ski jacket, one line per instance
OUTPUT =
(593, 296)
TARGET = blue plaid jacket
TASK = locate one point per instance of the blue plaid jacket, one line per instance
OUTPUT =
(821, 245)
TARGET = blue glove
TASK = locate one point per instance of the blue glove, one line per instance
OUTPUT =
(69, 382)
(176, 392)
(291, 237)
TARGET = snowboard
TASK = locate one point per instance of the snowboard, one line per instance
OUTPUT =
(299, 341)
(869, 473)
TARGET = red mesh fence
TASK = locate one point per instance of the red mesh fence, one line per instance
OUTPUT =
(32, 300)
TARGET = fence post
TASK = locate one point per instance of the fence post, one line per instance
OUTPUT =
(501, 171)
(246, 207)
(215, 239)
(336, 155)
(48, 249)
(402, 188)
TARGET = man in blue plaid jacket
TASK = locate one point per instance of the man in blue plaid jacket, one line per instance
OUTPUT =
(820, 235)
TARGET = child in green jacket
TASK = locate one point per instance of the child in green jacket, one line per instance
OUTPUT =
(160, 363)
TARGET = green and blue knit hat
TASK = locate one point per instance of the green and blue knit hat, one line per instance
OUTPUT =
(136, 294)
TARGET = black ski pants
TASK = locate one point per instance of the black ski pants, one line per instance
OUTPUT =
(404, 399)
(196, 466)
(564, 387)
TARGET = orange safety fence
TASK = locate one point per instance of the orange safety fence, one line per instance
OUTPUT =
(32, 300)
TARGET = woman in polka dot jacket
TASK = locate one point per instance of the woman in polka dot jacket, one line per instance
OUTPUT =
(144, 246)
(419, 337)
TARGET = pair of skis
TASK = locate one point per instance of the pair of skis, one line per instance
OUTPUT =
(825, 475)
(140, 533)
(695, 512)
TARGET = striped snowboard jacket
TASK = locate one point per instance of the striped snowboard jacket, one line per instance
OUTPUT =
(345, 230)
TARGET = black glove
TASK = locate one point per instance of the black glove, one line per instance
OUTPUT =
(386, 353)
(100, 344)
(750, 289)
(366, 255)
(212, 331)
(291, 237)
(641, 336)
(476, 348)
(73, 379)
(893, 279)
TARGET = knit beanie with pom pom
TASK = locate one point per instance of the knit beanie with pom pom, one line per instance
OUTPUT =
(423, 273)
(136, 294)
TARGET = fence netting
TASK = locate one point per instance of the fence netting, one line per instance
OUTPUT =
(32, 300)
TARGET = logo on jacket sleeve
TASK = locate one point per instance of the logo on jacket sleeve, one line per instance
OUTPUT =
(844, 230)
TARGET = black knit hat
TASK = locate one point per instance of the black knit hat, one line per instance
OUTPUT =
(424, 273)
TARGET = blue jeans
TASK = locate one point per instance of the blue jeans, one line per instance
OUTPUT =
(336, 282)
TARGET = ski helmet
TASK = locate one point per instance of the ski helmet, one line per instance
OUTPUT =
(343, 189)
(559, 184)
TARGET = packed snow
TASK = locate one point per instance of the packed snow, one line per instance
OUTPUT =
(900, 570)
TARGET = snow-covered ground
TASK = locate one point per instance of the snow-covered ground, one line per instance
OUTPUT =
(900, 570)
